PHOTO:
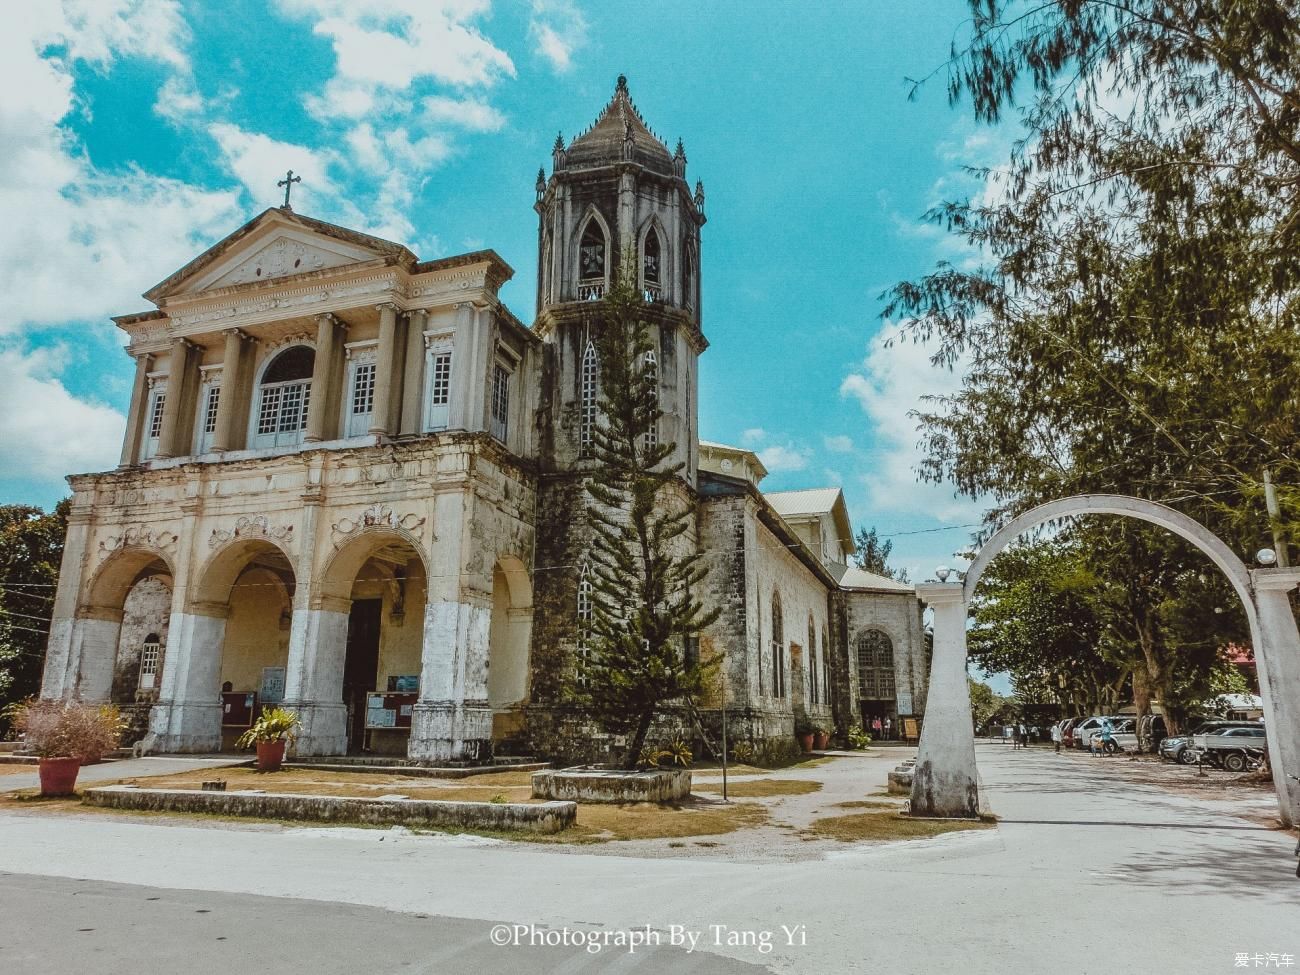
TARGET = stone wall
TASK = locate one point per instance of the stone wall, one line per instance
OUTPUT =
(145, 612)
(899, 618)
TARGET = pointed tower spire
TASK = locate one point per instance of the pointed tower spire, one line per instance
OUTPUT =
(679, 161)
(558, 155)
(541, 182)
(699, 195)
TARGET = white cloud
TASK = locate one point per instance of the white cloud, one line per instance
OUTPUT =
(838, 444)
(259, 162)
(753, 436)
(784, 457)
(48, 432)
(558, 29)
(888, 385)
(477, 116)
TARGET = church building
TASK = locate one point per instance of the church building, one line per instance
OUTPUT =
(352, 484)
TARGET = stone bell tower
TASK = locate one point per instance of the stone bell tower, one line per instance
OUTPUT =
(616, 191)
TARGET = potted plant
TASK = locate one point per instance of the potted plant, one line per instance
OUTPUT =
(821, 738)
(65, 735)
(271, 732)
(803, 731)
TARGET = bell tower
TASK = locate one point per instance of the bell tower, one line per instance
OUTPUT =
(614, 191)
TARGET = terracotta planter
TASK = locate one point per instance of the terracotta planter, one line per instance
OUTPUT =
(270, 755)
(59, 776)
(805, 741)
(821, 740)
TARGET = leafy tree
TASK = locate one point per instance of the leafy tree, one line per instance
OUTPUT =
(985, 703)
(31, 547)
(873, 554)
(1140, 239)
(644, 609)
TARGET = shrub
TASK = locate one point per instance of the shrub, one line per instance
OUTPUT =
(858, 738)
(742, 751)
(272, 725)
(77, 729)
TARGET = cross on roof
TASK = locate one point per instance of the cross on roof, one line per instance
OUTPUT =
(287, 183)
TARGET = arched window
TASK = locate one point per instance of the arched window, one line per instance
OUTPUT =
(284, 395)
(651, 366)
(651, 263)
(545, 270)
(593, 264)
(778, 648)
(688, 275)
(150, 661)
(875, 666)
(590, 390)
(814, 695)
(584, 621)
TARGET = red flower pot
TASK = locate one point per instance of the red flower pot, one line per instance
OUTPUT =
(805, 741)
(822, 740)
(59, 775)
(270, 754)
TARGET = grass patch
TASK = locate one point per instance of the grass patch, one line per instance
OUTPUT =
(757, 788)
(883, 826)
(869, 804)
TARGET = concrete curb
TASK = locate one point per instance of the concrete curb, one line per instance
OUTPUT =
(584, 784)
(418, 771)
(544, 817)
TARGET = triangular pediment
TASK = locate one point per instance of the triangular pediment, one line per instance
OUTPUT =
(276, 244)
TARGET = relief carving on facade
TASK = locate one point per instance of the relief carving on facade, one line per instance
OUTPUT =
(245, 527)
(137, 537)
(376, 516)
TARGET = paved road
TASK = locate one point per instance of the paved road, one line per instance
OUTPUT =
(1083, 876)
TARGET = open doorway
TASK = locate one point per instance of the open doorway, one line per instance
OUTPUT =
(360, 667)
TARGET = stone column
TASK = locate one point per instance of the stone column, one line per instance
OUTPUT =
(946, 783)
(317, 642)
(135, 418)
(232, 384)
(320, 423)
(1277, 654)
(385, 357)
(452, 720)
(172, 438)
(187, 717)
(59, 676)
(413, 378)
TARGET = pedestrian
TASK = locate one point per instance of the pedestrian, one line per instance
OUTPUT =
(1057, 736)
(888, 725)
(1107, 736)
(1024, 734)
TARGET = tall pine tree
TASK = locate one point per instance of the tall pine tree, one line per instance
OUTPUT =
(645, 573)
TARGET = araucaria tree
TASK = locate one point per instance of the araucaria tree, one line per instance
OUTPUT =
(646, 575)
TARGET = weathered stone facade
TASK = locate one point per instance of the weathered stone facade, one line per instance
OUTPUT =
(353, 483)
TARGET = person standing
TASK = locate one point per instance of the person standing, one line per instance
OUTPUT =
(1057, 736)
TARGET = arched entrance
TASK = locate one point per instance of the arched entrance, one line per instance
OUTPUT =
(362, 660)
(509, 636)
(231, 648)
(945, 783)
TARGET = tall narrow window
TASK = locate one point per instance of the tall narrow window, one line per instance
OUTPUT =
(500, 402)
(150, 658)
(688, 275)
(438, 397)
(778, 648)
(650, 266)
(589, 392)
(651, 366)
(825, 669)
(157, 403)
(875, 666)
(209, 403)
(361, 401)
(814, 687)
(284, 396)
(592, 262)
(584, 622)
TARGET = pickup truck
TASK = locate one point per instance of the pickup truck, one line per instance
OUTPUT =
(1231, 749)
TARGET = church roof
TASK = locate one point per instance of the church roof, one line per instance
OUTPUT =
(855, 578)
(814, 503)
(619, 122)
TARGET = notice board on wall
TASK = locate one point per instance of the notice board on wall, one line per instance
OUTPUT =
(237, 708)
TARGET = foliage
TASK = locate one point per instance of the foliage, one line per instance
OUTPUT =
(68, 728)
(31, 547)
(873, 555)
(742, 751)
(985, 703)
(273, 724)
(1140, 238)
(857, 737)
(644, 611)
(675, 753)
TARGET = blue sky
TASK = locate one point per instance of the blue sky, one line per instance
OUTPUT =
(135, 133)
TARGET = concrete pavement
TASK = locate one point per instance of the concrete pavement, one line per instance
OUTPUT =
(1087, 873)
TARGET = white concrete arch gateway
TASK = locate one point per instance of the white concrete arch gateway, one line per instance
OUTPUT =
(946, 784)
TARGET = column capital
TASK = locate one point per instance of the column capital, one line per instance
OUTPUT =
(1275, 578)
(388, 305)
(238, 333)
(327, 318)
(940, 593)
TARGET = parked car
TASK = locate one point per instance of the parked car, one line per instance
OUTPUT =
(1067, 731)
(1123, 737)
(1231, 749)
(1086, 726)
(1179, 748)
